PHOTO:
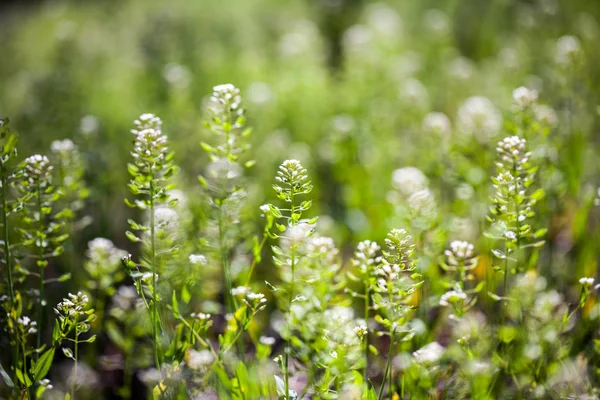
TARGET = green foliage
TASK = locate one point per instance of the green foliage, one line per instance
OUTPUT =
(406, 118)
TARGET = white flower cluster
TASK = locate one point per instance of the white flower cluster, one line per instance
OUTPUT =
(226, 99)
(365, 256)
(166, 220)
(103, 257)
(437, 123)
(37, 168)
(408, 180)
(322, 247)
(422, 203)
(568, 49)
(197, 259)
(524, 97)
(429, 354)
(387, 273)
(63, 147)
(125, 298)
(27, 325)
(291, 171)
(460, 253)
(149, 139)
(453, 298)
(199, 360)
(73, 306)
(587, 283)
(478, 116)
(251, 299)
(512, 153)
(200, 316)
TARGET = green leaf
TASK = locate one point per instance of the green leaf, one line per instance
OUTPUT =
(185, 294)
(507, 333)
(373, 350)
(43, 364)
(280, 227)
(494, 296)
(175, 304)
(242, 376)
(6, 377)
(132, 237)
(207, 147)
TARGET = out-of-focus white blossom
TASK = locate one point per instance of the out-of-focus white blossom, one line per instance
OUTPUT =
(429, 354)
(408, 180)
(437, 123)
(478, 117)
(524, 97)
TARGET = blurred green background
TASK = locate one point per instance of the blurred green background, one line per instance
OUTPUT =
(342, 85)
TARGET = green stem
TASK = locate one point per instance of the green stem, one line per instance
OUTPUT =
(503, 301)
(76, 352)
(388, 363)
(154, 280)
(41, 267)
(7, 260)
(225, 264)
(366, 338)
(287, 343)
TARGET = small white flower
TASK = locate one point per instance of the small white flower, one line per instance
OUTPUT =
(452, 297)
(197, 259)
(267, 340)
(587, 282)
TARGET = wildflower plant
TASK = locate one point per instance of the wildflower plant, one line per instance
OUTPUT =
(73, 319)
(43, 231)
(223, 178)
(292, 182)
(151, 170)
(396, 280)
(70, 171)
(513, 204)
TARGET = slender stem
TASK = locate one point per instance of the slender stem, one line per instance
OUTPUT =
(41, 267)
(503, 301)
(225, 264)
(366, 338)
(7, 260)
(388, 363)
(254, 261)
(287, 343)
(76, 348)
(154, 279)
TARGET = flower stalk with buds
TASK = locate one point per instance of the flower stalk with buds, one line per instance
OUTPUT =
(512, 204)
(73, 319)
(44, 231)
(151, 170)
(227, 124)
(391, 291)
(292, 182)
